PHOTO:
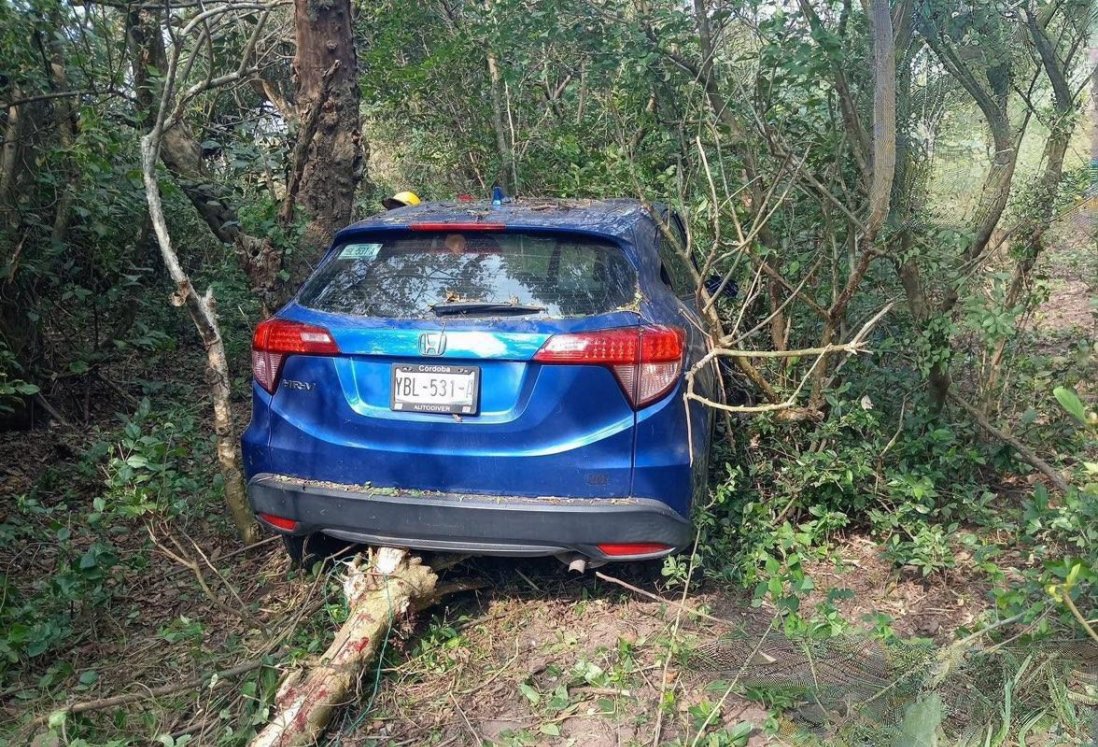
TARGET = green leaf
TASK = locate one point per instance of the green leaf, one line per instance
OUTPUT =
(741, 731)
(137, 461)
(89, 677)
(920, 724)
(530, 693)
(37, 647)
(552, 730)
(1070, 401)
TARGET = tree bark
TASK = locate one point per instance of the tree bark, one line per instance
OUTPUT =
(995, 191)
(336, 160)
(881, 180)
(306, 702)
(203, 313)
(66, 134)
(14, 129)
(202, 309)
(301, 148)
(884, 118)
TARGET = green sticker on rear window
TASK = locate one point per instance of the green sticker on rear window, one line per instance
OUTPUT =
(360, 251)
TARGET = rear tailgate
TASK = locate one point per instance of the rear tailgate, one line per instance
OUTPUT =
(535, 429)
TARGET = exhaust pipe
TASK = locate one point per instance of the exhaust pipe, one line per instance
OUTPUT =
(576, 563)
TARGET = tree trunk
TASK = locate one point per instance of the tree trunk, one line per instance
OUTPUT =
(203, 313)
(1030, 239)
(259, 258)
(375, 596)
(10, 154)
(148, 51)
(884, 118)
(335, 162)
(993, 104)
(64, 118)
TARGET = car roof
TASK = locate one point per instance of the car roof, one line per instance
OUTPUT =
(611, 217)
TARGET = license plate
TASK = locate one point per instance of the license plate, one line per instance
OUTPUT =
(428, 387)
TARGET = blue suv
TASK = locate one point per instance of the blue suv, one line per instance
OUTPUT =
(492, 379)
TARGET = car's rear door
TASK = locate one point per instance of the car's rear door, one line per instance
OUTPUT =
(435, 385)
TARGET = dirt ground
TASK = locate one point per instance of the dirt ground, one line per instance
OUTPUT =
(542, 656)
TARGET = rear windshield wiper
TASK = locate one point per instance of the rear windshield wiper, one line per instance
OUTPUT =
(483, 307)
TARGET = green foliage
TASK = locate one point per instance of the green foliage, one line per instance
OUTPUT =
(12, 388)
(91, 538)
(36, 622)
(1064, 533)
(142, 474)
(914, 482)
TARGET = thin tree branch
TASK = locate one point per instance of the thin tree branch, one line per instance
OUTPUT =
(1026, 453)
(214, 680)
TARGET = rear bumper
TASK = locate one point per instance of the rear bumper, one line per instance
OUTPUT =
(481, 524)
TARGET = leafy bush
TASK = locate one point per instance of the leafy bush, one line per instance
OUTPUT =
(12, 388)
(144, 479)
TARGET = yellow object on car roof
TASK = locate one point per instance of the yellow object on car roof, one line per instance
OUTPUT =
(400, 199)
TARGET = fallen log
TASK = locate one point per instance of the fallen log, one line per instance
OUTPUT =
(376, 593)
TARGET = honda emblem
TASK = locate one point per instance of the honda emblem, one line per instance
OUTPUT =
(432, 343)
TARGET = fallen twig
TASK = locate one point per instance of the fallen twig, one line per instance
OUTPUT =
(196, 569)
(53, 413)
(1027, 454)
(657, 732)
(468, 723)
(134, 401)
(658, 598)
(216, 679)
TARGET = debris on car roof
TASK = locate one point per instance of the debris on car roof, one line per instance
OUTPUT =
(612, 217)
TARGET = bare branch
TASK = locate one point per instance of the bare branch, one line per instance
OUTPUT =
(1026, 453)
(64, 94)
(847, 105)
(1053, 68)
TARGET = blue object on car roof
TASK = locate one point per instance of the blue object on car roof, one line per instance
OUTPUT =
(497, 380)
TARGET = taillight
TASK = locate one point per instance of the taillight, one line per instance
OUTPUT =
(279, 522)
(438, 227)
(647, 361)
(626, 549)
(275, 339)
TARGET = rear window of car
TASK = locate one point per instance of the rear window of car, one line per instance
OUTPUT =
(414, 275)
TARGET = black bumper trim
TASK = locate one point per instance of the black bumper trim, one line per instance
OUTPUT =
(482, 524)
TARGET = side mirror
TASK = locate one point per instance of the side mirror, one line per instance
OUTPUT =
(713, 284)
